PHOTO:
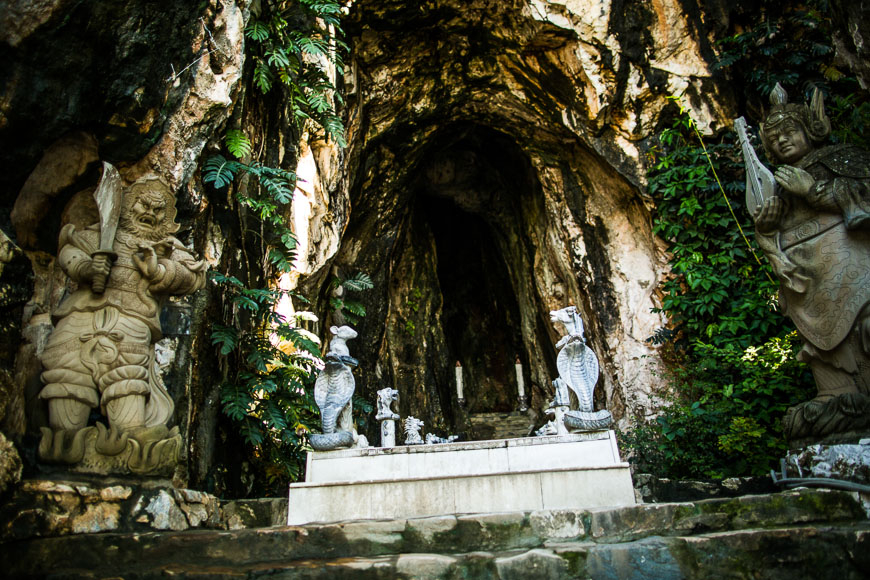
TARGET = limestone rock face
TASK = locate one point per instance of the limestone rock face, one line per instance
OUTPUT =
(494, 174)
(10, 464)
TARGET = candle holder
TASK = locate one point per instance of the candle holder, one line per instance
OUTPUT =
(461, 402)
(523, 404)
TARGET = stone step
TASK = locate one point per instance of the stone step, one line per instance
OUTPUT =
(789, 529)
(835, 553)
(500, 425)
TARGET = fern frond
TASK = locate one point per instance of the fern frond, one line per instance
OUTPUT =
(225, 336)
(257, 31)
(354, 307)
(263, 76)
(359, 281)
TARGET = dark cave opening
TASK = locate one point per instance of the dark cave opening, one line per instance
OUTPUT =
(480, 313)
(452, 232)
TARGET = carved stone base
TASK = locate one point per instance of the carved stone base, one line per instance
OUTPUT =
(588, 421)
(850, 462)
(817, 419)
(331, 441)
(149, 451)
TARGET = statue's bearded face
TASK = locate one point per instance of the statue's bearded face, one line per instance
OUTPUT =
(145, 217)
(788, 141)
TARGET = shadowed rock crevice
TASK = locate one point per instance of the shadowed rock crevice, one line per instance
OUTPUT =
(459, 241)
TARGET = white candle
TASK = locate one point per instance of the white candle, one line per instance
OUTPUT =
(521, 387)
(458, 380)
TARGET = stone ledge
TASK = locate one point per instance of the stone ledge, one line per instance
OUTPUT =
(825, 531)
(44, 508)
(461, 494)
(475, 458)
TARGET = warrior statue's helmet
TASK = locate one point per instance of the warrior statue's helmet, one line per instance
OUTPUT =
(812, 119)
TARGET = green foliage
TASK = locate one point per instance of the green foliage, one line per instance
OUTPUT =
(291, 42)
(352, 310)
(784, 43)
(790, 43)
(850, 115)
(412, 303)
(733, 371)
(720, 415)
(269, 367)
(718, 293)
(238, 144)
(269, 362)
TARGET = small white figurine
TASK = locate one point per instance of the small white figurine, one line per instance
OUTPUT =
(412, 431)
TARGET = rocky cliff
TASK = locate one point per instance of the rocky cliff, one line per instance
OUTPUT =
(494, 172)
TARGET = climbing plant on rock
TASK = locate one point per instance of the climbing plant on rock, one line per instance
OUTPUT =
(298, 45)
(268, 359)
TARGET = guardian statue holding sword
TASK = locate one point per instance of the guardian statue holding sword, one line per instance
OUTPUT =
(101, 352)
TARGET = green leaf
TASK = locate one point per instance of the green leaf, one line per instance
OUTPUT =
(225, 336)
(354, 307)
(263, 76)
(359, 281)
(219, 171)
(238, 143)
(257, 31)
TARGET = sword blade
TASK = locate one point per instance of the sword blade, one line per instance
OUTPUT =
(108, 198)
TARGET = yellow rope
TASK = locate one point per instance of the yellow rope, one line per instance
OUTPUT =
(683, 110)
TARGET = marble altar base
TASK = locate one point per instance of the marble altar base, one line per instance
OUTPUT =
(536, 473)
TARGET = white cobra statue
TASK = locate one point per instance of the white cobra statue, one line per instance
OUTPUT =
(333, 391)
(578, 369)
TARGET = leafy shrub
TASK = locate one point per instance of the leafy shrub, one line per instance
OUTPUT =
(719, 416)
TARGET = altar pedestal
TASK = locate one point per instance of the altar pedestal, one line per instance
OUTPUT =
(536, 473)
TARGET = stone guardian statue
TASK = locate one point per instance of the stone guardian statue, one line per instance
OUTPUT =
(387, 417)
(814, 227)
(101, 352)
(413, 425)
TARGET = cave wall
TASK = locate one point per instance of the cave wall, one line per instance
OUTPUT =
(531, 116)
(574, 92)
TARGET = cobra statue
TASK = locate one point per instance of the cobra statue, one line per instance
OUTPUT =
(333, 391)
(578, 369)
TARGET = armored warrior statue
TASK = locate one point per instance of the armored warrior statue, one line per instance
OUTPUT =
(814, 227)
(101, 352)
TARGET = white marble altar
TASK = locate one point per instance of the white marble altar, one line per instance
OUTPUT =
(576, 471)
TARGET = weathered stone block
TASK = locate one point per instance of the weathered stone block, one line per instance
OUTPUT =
(532, 564)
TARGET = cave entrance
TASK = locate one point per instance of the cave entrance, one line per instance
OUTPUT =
(476, 215)
(480, 314)
(452, 231)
